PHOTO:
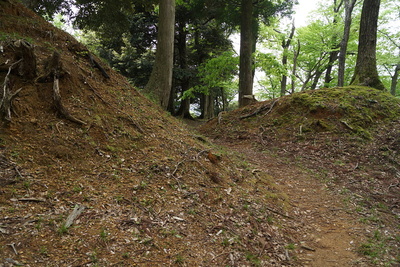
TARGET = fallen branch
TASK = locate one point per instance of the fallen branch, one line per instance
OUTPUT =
(307, 248)
(97, 65)
(73, 215)
(279, 213)
(12, 245)
(31, 199)
(347, 125)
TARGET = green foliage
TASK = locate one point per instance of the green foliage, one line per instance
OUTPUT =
(218, 72)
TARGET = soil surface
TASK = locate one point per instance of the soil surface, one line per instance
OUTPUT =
(327, 232)
(103, 177)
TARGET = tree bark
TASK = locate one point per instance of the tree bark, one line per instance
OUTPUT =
(208, 107)
(366, 72)
(333, 54)
(160, 82)
(349, 6)
(285, 46)
(184, 109)
(294, 69)
(394, 80)
(245, 66)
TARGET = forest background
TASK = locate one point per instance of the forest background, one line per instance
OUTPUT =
(291, 54)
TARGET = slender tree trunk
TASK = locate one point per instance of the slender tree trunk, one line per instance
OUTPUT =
(317, 76)
(395, 77)
(333, 54)
(245, 67)
(184, 109)
(160, 83)
(208, 111)
(286, 46)
(294, 69)
(366, 72)
(224, 100)
(349, 6)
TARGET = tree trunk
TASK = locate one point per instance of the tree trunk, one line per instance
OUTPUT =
(160, 82)
(208, 106)
(285, 46)
(394, 80)
(349, 6)
(294, 69)
(317, 76)
(333, 54)
(245, 67)
(184, 109)
(366, 72)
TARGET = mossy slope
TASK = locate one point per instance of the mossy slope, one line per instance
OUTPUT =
(349, 110)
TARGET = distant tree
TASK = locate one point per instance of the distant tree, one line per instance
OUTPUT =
(348, 6)
(216, 80)
(388, 48)
(286, 45)
(200, 36)
(335, 42)
(49, 7)
(160, 81)
(366, 72)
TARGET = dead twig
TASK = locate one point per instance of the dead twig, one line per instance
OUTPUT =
(78, 209)
(307, 248)
(12, 245)
(279, 213)
(32, 199)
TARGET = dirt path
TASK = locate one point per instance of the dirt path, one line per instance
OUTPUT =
(327, 231)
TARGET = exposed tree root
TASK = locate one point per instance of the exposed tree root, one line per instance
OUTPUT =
(261, 109)
(7, 97)
(54, 70)
(59, 106)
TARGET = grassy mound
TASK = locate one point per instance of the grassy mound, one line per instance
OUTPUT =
(355, 111)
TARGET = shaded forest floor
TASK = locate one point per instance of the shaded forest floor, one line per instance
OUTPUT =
(338, 166)
(109, 179)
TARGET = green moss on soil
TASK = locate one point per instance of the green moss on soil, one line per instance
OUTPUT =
(354, 110)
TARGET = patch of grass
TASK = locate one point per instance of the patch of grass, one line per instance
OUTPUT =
(179, 259)
(125, 255)
(376, 248)
(62, 229)
(290, 246)
(104, 235)
(255, 260)
(93, 257)
(39, 223)
(226, 242)
(43, 251)
(77, 189)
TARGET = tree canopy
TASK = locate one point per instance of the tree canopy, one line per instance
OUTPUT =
(205, 78)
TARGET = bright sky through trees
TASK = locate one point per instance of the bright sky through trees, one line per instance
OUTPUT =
(302, 10)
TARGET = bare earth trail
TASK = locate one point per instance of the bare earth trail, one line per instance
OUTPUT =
(319, 217)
